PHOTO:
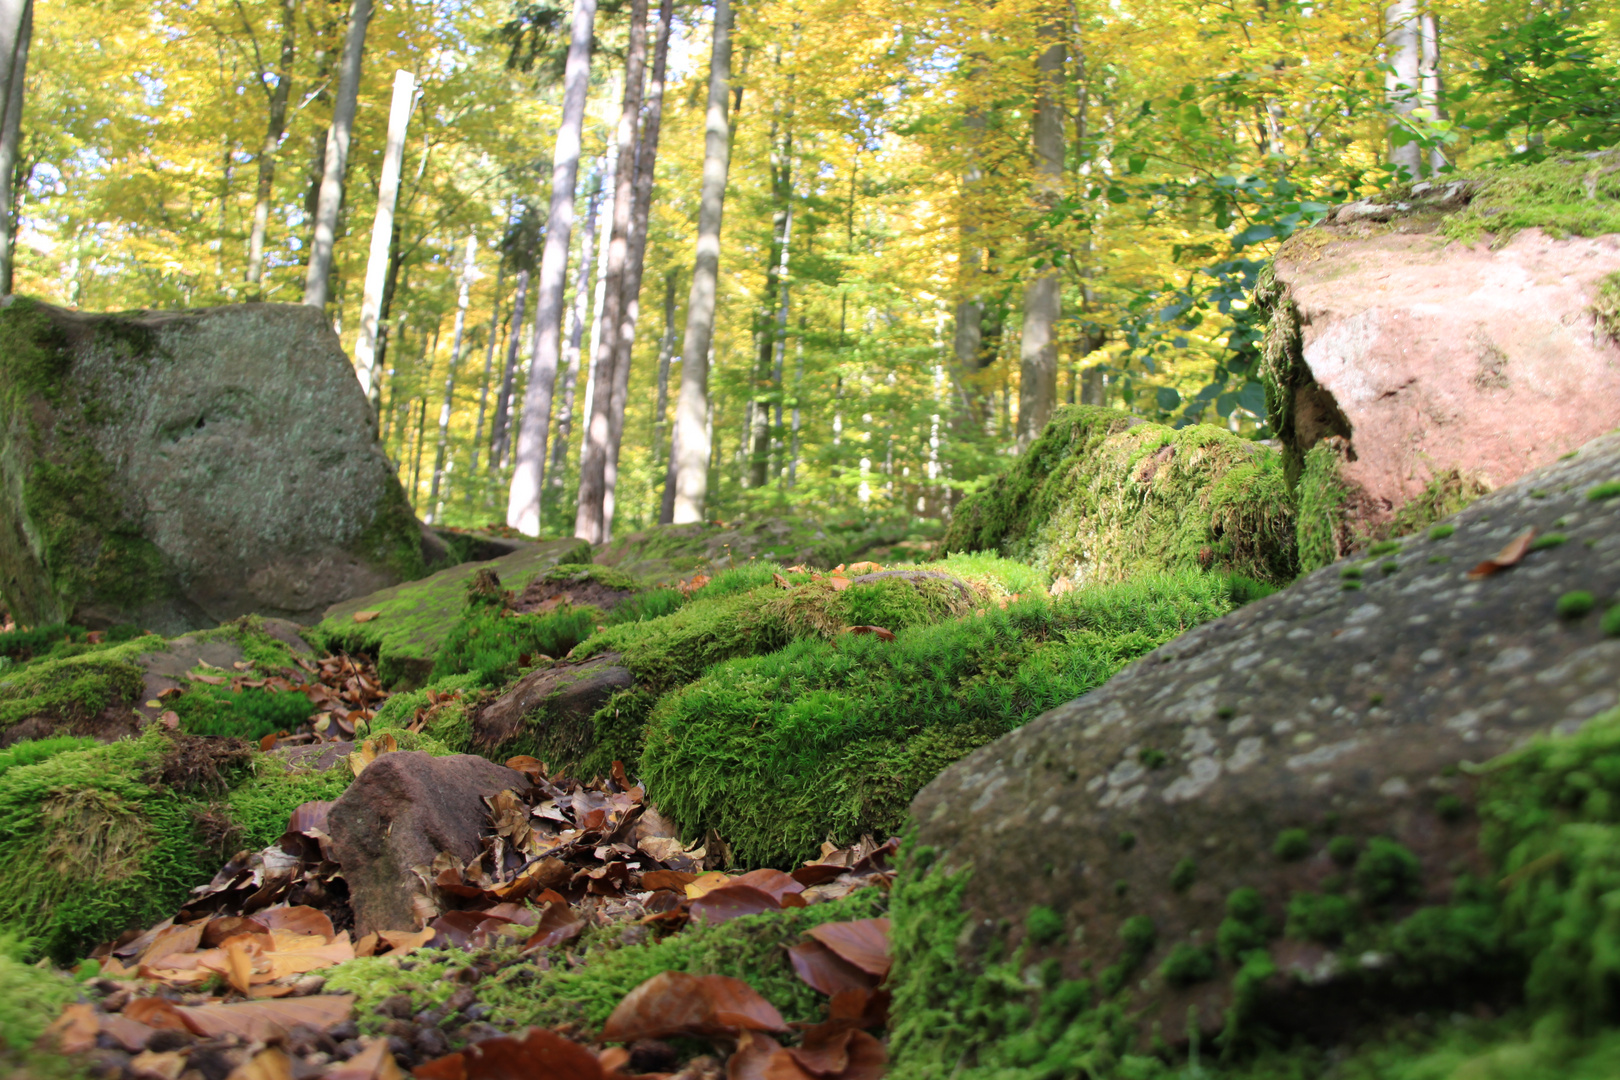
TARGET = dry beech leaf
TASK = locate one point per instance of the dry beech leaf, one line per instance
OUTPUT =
(674, 880)
(172, 941)
(271, 1063)
(366, 616)
(862, 942)
(772, 882)
(839, 584)
(298, 920)
(156, 1012)
(732, 902)
(130, 1034)
(675, 1003)
(404, 942)
(157, 1065)
(558, 923)
(540, 1054)
(876, 631)
(822, 969)
(781, 582)
(697, 888)
(863, 568)
(238, 965)
(1508, 556)
(73, 1032)
(753, 1056)
(266, 1021)
(824, 1050)
(374, 1062)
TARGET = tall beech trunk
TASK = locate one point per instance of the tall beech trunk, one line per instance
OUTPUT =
(666, 350)
(382, 229)
(483, 383)
(275, 127)
(765, 388)
(599, 295)
(523, 500)
(1429, 81)
(16, 36)
(1403, 81)
(576, 335)
(588, 518)
(692, 432)
(317, 282)
(646, 164)
(434, 502)
(499, 426)
(1037, 387)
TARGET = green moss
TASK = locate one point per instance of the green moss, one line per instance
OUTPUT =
(1188, 964)
(1350, 572)
(1322, 499)
(1611, 621)
(1606, 307)
(1445, 494)
(250, 714)
(34, 751)
(1606, 490)
(73, 687)
(1321, 917)
(1550, 540)
(88, 848)
(1183, 876)
(1577, 196)
(844, 733)
(1245, 927)
(1292, 845)
(1387, 872)
(1101, 496)
(1576, 603)
(260, 806)
(490, 643)
(1043, 925)
(31, 996)
(1343, 850)
(1440, 532)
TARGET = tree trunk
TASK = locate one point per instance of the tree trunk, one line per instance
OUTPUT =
(1430, 82)
(576, 334)
(1037, 388)
(1403, 81)
(666, 350)
(765, 320)
(318, 280)
(691, 411)
(599, 296)
(523, 501)
(640, 213)
(499, 429)
(382, 230)
(467, 269)
(798, 388)
(16, 35)
(588, 517)
(483, 383)
(275, 128)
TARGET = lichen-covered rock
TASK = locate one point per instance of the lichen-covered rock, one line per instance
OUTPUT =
(400, 814)
(178, 469)
(1442, 345)
(413, 619)
(1103, 495)
(1269, 812)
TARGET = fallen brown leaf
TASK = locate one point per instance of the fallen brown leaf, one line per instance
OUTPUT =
(157, 1064)
(753, 1057)
(374, 1062)
(130, 1034)
(877, 631)
(733, 902)
(838, 583)
(271, 1063)
(365, 616)
(822, 969)
(540, 1055)
(558, 923)
(74, 1031)
(266, 1021)
(863, 568)
(781, 582)
(1508, 556)
(156, 1012)
(676, 880)
(675, 1003)
(862, 942)
(404, 942)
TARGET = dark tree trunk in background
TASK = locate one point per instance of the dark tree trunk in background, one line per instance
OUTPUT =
(275, 128)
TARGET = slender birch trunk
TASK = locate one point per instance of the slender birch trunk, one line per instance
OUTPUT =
(1430, 84)
(599, 294)
(691, 411)
(666, 350)
(1403, 81)
(765, 320)
(576, 334)
(1037, 388)
(523, 501)
(499, 425)
(16, 35)
(646, 166)
(592, 470)
(489, 365)
(275, 128)
(467, 270)
(317, 282)
(382, 230)
(779, 351)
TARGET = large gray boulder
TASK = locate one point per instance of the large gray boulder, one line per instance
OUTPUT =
(178, 469)
(1349, 705)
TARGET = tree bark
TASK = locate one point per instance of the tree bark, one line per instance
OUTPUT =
(576, 335)
(498, 426)
(1403, 81)
(691, 412)
(275, 128)
(16, 35)
(588, 515)
(1037, 387)
(434, 502)
(317, 282)
(666, 350)
(523, 500)
(640, 214)
(382, 230)
(1429, 79)
(765, 320)
(599, 295)
(489, 365)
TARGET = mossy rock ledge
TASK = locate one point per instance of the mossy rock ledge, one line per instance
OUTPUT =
(180, 469)
(1425, 349)
(1299, 816)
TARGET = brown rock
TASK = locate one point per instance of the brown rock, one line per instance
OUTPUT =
(1428, 356)
(555, 703)
(1343, 706)
(400, 813)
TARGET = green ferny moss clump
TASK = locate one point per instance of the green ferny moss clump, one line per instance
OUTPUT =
(1102, 496)
(1292, 845)
(1043, 925)
(1322, 498)
(844, 733)
(1574, 604)
(30, 996)
(73, 688)
(1606, 490)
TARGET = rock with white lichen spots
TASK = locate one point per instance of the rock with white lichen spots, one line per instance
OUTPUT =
(179, 469)
(1235, 829)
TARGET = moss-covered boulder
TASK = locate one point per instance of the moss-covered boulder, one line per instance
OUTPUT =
(1103, 496)
(178, 469)
(1428, 348)
(1277, 819)
(412, 620)
(666, 553)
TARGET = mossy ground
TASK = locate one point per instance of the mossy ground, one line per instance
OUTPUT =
(830, 739)
(600, 970)
(1577, 195)
(73, 687)
(30, 996)
(1101, 496)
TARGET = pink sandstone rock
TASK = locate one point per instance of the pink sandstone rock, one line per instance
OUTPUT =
(1442, 355)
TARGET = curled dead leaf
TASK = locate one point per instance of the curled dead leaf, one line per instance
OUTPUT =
(74, 1031)
(1510, 555)
(675, 1003)
(862, 942)
(877, 631)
